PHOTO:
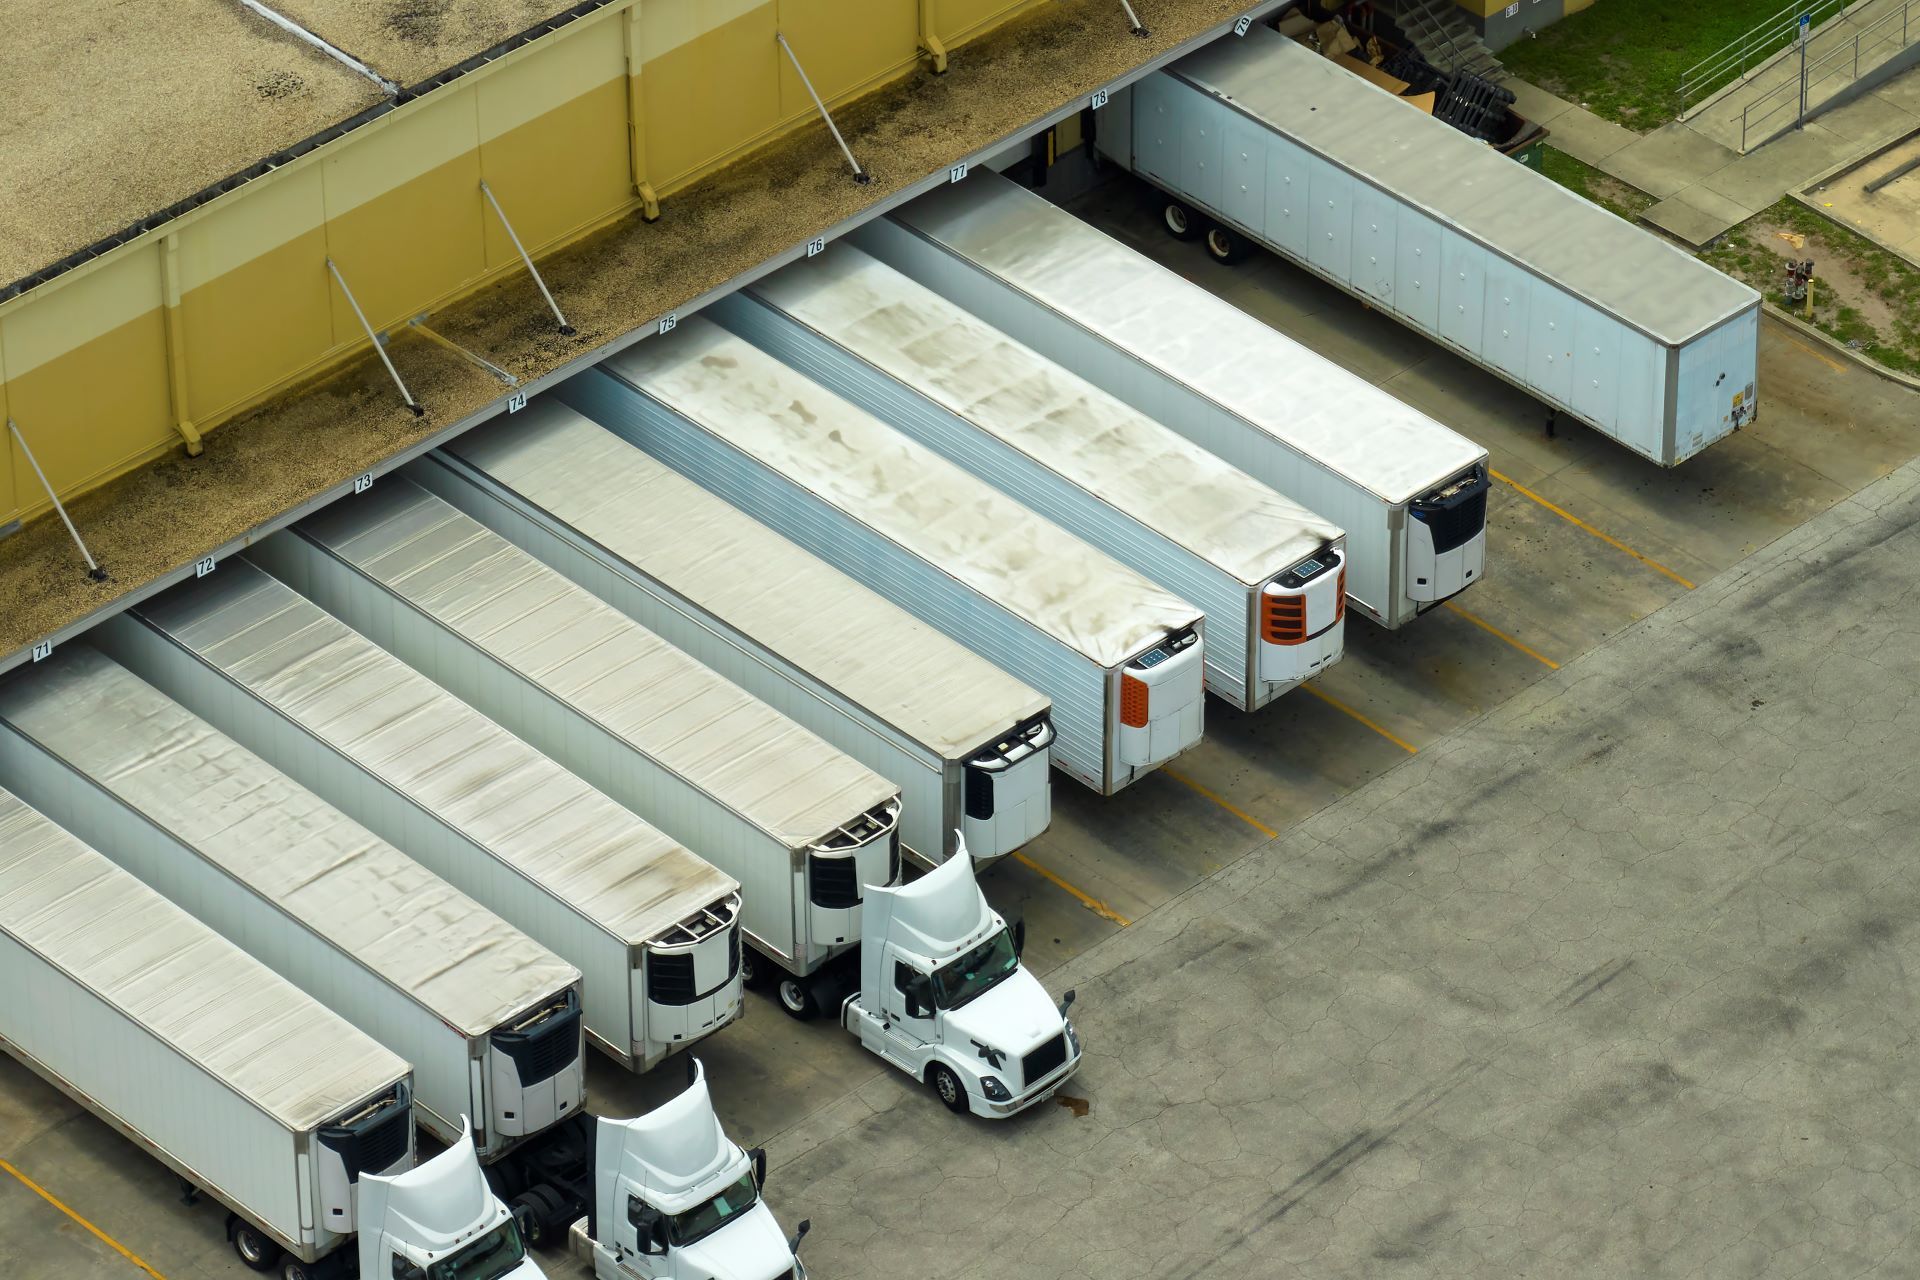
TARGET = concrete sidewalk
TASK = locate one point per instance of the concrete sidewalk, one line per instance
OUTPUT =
(1704, 186)
(1615, 982)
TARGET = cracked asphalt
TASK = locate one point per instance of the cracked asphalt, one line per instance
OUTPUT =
(1613, 982)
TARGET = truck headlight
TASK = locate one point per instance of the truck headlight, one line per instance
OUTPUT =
(1073, 1037)
(995, 1091)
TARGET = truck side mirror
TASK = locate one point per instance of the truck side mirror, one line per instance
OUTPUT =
(759, 1157)
(793, 1245)
(1019, 937)
(650, 1228)
(1066, 1003)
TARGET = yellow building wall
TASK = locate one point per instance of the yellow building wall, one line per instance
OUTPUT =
(557, 129)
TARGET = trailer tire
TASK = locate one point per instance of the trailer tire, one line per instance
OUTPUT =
(753, 969)
(1226, 246)
(947, 1087)
(1180, 222)
(255, 1249)
(797, 998)
(294, 1269)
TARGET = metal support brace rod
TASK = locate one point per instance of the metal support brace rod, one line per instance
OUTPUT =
(419, 325)
(374, 338)
(521, 249)
(1133, 21)
(859, 174)
(94, 570)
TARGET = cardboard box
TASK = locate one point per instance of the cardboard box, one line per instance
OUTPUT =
(1334, 38)
(1367, 71)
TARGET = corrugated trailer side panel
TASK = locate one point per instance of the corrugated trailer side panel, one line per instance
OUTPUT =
(1371, 527)
(1077, 685)
(771, 876)
(702, 637)
(142, 1084)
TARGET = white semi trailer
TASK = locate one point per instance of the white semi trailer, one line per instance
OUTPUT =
(251, 1091)
(652, 927)
(1411, 494)
(675, 1197)
(1601, 320)
(1268, 573)
(968, 744)
(1121, 657)
(489, 1018)
(803, 828)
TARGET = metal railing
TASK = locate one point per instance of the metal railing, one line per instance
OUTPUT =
(1748, 52)
(1877, 41)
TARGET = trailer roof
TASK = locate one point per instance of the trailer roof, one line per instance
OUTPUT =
(1063, 422)
(904, 492)
(1293, 393)
(926, 685)
(1519, 214)
(779, 777)
(271, 1043)
(631, 880)
(452, 956)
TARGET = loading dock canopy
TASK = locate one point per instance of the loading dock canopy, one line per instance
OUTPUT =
(1529, 219)
(790, 602)
(267, 1040)
(1063, 422)
(256, 825)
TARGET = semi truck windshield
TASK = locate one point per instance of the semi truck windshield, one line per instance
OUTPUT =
(704, 1219)
(492, 1255)
(961, 980)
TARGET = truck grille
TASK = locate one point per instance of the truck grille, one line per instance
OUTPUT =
(1044, 1060)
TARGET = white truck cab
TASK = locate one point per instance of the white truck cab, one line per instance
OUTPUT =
(945, 998)
(676, 1199)
(436, 1221)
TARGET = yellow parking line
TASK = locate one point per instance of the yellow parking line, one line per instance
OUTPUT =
(1388, 734)
(1239, 813)
(1087, 900)
(1492, 630)
(1826, 360)
(1578, 523)
(98, 1234)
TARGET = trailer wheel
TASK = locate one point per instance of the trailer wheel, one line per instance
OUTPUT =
(294, 1269)
(1226, 246)
(256, 1250)
(753, 970)
(797, 998)
(947, 1087)
(1181, 222)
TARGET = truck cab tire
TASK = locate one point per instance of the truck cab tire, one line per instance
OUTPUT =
(1180, 222)
(797, 998)
(947, 1087)
(256, 1250)
(1227, 246)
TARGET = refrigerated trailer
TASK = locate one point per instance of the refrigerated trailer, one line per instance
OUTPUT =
(652, 927)
(1411, 494)
(803, 828)
(967, 744)
(1599, 319)
(1121, 657)
(1266, 571)
(489, 1018)
(250, 1090)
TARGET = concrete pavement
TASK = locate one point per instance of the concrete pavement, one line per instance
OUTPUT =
(1616, 981)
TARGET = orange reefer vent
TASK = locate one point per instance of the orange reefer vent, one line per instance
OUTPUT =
(1133, 701)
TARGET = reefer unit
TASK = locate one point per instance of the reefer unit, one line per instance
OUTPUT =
(802, 827)
(652, 927)
(1266, 571)
(967, 744)
(1601, 320)
(246, 1087)
(489, 1018)
(1411, 495)
(1121, 657)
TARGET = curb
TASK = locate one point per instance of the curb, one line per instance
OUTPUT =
(1839, 348)
(1806, 202)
